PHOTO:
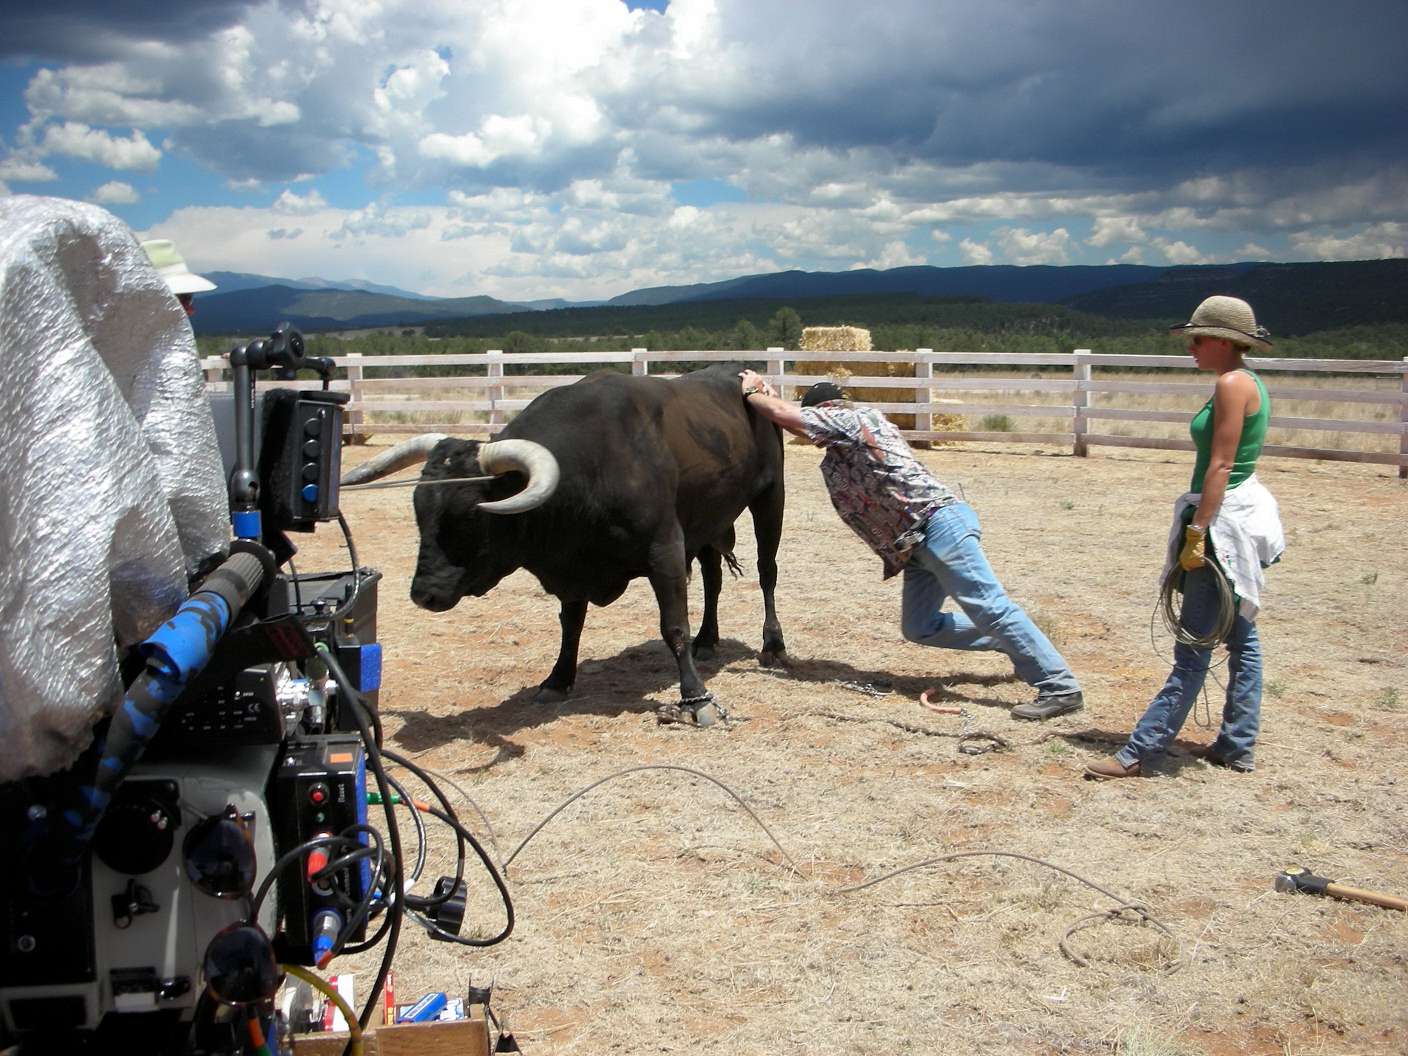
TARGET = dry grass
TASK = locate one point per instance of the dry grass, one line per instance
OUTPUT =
(655, 916)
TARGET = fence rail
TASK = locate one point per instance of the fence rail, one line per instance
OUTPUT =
(931, 380)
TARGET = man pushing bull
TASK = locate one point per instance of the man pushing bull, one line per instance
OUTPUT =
(919, 527)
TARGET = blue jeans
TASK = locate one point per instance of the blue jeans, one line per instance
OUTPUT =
(1241, 715)
(951, 564)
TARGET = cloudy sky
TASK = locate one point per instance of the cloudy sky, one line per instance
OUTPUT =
(582, 148)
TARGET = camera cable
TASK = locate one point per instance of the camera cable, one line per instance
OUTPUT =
(360, 712)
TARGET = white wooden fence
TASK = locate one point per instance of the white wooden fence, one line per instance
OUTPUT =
(945, 392)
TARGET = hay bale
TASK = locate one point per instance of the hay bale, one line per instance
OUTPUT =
(835, 339)
(856, 339)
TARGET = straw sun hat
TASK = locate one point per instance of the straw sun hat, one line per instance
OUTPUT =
(1226, 317)
(171, 266)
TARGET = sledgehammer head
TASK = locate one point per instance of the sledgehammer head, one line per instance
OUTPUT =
(1295, 878)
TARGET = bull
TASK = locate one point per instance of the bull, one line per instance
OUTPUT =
(595, 484)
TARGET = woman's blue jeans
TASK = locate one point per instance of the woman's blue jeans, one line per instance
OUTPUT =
(951, 564)
(1241, 714)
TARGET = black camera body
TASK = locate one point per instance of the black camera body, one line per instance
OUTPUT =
(259, 752)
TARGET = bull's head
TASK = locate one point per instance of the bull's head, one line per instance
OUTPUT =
(464, 480)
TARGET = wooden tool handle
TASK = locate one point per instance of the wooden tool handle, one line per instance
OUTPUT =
(1357, 894)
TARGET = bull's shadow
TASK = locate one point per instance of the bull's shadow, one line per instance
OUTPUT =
(607, 686)
(625, 683)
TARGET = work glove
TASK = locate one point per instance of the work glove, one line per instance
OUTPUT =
(1192, 555)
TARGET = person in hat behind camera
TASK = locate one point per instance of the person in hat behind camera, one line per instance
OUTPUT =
(919, 527)
(1228, 527)
(171, 266)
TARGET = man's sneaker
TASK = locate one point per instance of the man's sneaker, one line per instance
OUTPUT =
(1242, 765)
(1049, 705)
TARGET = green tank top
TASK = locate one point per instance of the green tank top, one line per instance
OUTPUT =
(1248, 446)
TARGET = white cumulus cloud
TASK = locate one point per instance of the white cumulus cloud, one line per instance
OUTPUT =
(1019, 246)
(288, 202)
(115, 192)
(26, 170)
(973, 252)
(1374, 242)
(77, 140)
(1179, 252)
(1109, 229)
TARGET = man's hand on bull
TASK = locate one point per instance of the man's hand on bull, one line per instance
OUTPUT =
(764, 400)
(751, 382)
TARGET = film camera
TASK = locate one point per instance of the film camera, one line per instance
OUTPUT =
(218, 826)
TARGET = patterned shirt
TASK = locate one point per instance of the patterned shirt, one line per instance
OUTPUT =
(877, 485)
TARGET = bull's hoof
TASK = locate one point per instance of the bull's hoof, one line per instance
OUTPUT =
(774, 658)
(702, 652)
(706, 711)
(548, 695)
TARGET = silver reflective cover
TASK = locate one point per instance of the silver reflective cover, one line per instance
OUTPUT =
(111, 492)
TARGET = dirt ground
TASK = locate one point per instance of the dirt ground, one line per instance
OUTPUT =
(654, 915)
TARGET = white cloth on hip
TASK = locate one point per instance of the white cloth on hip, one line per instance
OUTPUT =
(1246, 536)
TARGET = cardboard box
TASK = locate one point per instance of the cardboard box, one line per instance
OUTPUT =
(463, 1037)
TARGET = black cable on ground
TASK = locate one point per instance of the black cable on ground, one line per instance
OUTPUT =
(1137, 908)
(494, 875)
(652, 766)
(428, 902)
(484, 818)
(1123, 905)
(420, 828)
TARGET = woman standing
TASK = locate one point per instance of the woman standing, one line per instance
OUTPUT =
(1234, 523)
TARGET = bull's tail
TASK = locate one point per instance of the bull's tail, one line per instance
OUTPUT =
(732, 562)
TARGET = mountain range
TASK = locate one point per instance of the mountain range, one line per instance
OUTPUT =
(1300, 297)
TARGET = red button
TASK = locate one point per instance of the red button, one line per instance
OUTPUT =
(318, 794)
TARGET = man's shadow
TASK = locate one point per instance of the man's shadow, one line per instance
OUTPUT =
(1182, 753)
(624, 684)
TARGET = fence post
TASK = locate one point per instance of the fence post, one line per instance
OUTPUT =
(215, 374)
(356, 417)
(494, 368)
(777, 366)
(1403, 418)
(639, 364)
(924, 371)
(1081, 400)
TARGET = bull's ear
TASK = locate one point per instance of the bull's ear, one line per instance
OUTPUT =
(457, 458)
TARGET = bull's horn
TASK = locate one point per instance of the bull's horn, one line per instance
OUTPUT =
(406, 453)
(533, 460)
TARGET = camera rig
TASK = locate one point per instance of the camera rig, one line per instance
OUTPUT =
(218, 826)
